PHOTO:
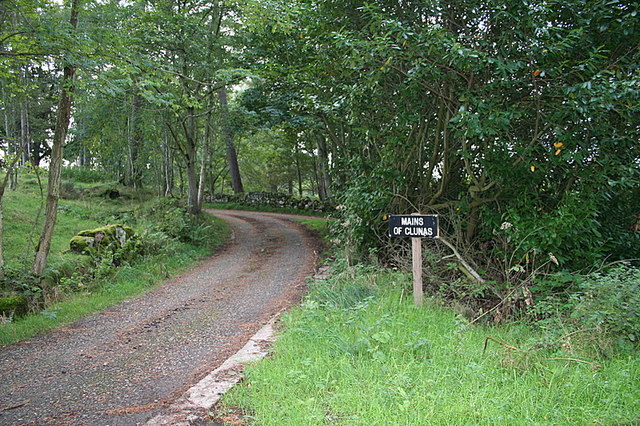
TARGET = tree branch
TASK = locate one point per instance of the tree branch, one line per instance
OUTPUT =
(469, 271)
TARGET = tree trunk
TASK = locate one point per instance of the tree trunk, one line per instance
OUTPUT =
(232, 155)
(205, 161)
(234, 169)
(192, 177)
(55, 167)
(24, 133)
(25, 128)
(167, 166)
(324, 182)
(84, 157)
(298, 172)
(1, 242)
(203, 174)
(316, 179)
(180, 179)
(135, 143)
(9, 133)
(6, 101)
(13, 179)
(203, 171)
(191, 144)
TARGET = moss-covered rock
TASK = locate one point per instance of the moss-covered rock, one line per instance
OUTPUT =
(81, 245)
(14, 306)
(109, 235)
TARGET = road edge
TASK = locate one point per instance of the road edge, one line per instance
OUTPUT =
(191, 406)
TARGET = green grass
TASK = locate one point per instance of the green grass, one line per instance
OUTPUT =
(320, 226)
(21, 235)
(267, 209)
(357, 352)
(23, 216)
(23, 219)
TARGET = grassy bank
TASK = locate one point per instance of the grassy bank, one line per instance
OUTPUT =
(23, 216)
(357, 352)
(166, 243)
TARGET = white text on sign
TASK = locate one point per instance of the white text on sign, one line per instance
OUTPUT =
(413, 226)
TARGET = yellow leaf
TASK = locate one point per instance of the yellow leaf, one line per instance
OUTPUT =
(558, 144)
(558, 151)
(533, 168)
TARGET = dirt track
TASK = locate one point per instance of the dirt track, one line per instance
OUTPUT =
(124, 365)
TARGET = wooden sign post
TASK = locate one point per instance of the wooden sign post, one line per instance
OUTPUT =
(416, 262)
(415, 226)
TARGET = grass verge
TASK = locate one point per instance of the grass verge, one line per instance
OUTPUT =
(357, 352)
(319, 226)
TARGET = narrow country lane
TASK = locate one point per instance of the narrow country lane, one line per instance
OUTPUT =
(124, 365)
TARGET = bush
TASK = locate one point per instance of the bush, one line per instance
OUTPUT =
(360, 227)
(592, 314)
(14, 306)
(169, 217)
(68, 191)
(610, 300)
(152, 241)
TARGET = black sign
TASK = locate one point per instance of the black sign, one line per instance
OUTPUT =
(413, 226)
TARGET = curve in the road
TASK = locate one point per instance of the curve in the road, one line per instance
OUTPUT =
(124, 365)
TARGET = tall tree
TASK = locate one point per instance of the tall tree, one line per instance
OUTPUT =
(63, 117)
(188, 60)
(232, 155)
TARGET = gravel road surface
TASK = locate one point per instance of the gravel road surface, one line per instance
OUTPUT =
(126, 364)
